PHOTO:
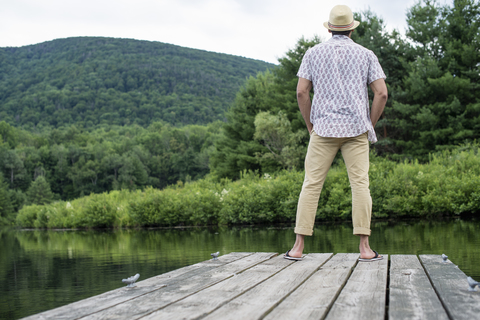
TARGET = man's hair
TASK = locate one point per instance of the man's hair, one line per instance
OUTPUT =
(341, 33)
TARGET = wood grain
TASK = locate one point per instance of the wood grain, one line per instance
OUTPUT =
(451, 286)
(314, 297)
(111, 298)
(178, 289)
(210, 299)
(364, 294)
(411, 293)
(258, 301)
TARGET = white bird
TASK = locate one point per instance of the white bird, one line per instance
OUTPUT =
(444, 257)
(215, 255)
(472, 283)
(131, 280)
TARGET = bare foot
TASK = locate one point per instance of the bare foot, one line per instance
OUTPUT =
(297, 250)
(365, 251)
(369, 255)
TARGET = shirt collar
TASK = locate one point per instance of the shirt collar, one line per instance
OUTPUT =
(337, 39)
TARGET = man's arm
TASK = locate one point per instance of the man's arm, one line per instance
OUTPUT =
(380, 96)
(304, 103)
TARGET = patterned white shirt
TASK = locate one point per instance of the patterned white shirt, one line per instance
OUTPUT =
(340, 71)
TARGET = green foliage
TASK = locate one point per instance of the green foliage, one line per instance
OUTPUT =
(99, 212)
(286, 82)
(391, 49)
(6, 207)
(76, 162)
(432, 77)
(90, 81)
(94, 211)
(261, 199)
(433, 106)
(8, 135)
(273, 92)
(423, 21)
(29, 215)
(191, 205)
(446, 186)
(13, 168)
(437, 106)
(236, 150)
(276, 93)
(39, 192)
(18, 199)
(275, 132)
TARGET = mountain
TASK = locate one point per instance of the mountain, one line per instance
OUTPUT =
(91, 81)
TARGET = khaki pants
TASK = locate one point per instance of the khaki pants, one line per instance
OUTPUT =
(320, 154)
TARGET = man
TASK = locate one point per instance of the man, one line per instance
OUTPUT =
(339, 118)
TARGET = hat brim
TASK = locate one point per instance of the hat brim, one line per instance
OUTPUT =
(355, 24)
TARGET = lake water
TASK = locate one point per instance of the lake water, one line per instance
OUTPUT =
(42, 270)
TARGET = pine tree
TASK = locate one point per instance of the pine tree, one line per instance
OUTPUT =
(39, 192)
(439, 105)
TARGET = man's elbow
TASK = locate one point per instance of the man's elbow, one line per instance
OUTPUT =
(302, 94)
(383, 95)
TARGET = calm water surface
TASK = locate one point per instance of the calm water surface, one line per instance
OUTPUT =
(41, 270)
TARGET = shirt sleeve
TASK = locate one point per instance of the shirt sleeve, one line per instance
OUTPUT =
(375, 70)
(305, 71)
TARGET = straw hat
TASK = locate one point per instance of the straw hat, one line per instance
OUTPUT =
(341, 19)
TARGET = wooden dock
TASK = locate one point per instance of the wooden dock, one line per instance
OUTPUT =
(264, 285)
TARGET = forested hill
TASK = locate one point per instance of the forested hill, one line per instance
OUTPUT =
(90, 81)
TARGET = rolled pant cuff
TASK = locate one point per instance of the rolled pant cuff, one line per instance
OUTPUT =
(359, 231)
(304, 231)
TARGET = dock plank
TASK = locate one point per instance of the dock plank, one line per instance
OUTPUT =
(258, 301)
(314, 297)
(364, 294)
(451, 286)
(210, 299)
(179, 289)
(263, 285)
(111, 298)
(411, 293)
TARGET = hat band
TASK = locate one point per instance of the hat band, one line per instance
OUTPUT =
(342, 26)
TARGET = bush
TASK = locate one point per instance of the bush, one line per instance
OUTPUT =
(27, 215)
(448, 185)
(98, 212)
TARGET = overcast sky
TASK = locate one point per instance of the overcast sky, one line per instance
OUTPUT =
(258, 29)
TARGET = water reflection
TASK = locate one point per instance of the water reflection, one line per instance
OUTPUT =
(41, 270)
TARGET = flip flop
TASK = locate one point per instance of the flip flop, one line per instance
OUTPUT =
(376, 258)
(289, 257)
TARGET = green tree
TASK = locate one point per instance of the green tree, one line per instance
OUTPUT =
(133, 173)
(275, 92)
(111, 164)
(439, 104)
(8, 134)
(61, 184)
(286, 83)
(392, 51)
(424, 27)
(40, 192)
(236, 151)
(6, 208)
(18, 199)
(91, 81)
(13, 167)
(275, 132)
